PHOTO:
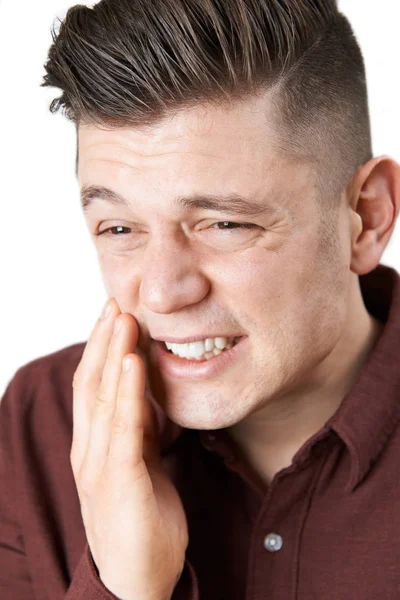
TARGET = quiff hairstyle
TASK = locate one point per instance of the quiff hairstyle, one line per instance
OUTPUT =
(134, 62)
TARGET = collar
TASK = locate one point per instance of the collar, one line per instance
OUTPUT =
(371, 410)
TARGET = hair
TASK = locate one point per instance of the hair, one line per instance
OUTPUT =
(134, 62)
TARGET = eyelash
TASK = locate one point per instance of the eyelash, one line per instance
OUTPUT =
(238, 226)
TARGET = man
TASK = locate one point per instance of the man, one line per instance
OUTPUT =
(231, 428)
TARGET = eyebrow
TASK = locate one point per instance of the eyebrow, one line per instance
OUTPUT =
(231, 203)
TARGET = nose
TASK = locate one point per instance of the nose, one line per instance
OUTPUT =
(171, 276)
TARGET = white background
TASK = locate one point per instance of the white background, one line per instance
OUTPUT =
(51, 290)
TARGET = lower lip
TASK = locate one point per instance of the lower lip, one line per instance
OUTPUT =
(181, 368)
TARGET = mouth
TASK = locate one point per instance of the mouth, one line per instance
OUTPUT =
(206, 365)
(202, 350)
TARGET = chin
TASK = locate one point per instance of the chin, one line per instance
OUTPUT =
(196, 410)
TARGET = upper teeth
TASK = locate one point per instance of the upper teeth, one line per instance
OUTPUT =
(202, 347)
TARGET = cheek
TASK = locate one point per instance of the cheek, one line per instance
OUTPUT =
(267, 281)
(293, 300)
(120, 280)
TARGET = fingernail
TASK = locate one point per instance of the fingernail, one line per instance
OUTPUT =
(106, 310)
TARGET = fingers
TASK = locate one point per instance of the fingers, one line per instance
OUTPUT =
(123, 341)
(87, 379)
(126, 443)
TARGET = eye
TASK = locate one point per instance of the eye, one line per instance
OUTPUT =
(229, 225)
(116, 230)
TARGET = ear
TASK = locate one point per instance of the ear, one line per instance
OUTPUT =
(374, 204)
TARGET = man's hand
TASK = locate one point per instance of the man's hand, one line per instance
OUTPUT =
(134, 520)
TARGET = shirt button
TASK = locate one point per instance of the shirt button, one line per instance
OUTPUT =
(211, 437)
(273, 542)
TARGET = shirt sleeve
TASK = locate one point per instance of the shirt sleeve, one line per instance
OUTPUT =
(15, 581)
(87, 585)
(15, 578)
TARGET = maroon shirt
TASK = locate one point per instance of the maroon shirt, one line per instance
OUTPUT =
(327, 528)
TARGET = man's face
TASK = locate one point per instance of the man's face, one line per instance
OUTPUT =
(281, 284)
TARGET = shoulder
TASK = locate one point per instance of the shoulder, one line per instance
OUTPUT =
(62, 361)
(44, 383)
(39, 398)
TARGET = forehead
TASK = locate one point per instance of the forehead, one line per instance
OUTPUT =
(239, 127)
(203, 149)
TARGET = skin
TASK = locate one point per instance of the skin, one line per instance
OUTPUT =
(134, 520)
(290, 284)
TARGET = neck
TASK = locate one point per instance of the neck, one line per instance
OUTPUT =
(271, 437)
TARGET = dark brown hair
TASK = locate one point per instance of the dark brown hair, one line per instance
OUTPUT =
(133, 62)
